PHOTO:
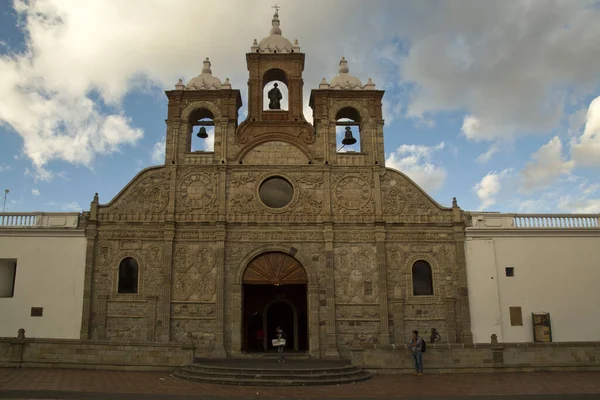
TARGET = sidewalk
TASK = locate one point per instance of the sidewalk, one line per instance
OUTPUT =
(117, 385)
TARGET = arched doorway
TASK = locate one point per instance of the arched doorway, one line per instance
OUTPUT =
(274, 294)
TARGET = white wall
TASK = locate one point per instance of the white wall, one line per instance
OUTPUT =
(49, 274)
(555, 272)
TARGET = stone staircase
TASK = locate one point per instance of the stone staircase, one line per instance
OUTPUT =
(268, 372)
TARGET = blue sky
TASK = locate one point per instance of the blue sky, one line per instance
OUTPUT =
(496, 103)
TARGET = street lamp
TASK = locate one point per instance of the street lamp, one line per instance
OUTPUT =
(4, 204)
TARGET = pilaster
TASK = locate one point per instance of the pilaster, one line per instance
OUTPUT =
(384, 330)
(219, 349)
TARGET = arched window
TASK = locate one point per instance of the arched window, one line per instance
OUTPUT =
(422, 279)
(202, 129)
(275, 90)
(347, 130)
(128, 276)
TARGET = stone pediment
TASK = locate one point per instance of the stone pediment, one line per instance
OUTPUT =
(402, 196)
(147, 192)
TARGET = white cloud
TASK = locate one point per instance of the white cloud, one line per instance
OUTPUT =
(158, 151)
(72, 206)
(63, 94)
(485, 157)
(546, 167)
(579, 205)
(5, 168)
(511, 66)
(35, 192)
(585, 150)
(489, 187)
(416, 162)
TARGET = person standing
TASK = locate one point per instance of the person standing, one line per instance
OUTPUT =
(279, 336)
(260, 339)
(416, 346)
(435, 336)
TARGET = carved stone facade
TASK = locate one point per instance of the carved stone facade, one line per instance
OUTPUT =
(194, 224)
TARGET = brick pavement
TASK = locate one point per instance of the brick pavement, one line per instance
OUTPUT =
(86, 384)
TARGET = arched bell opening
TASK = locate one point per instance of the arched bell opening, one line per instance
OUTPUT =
(202, 130)
(275, 90)
(347, 130)
(274, 294)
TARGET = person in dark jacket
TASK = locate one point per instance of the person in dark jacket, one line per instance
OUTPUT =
(280, 335)
(416, 346)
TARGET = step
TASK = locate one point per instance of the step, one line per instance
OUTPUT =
(362, 376)
(200, 368)
(282, 375)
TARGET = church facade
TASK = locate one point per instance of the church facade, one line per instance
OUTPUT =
(275, 227)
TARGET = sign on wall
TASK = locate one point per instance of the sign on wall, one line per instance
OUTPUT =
(542, 331)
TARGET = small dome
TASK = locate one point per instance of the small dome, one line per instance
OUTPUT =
(275, 42)
(345, 81)
(204, 81)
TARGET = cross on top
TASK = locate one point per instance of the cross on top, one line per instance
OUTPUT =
(276, 7)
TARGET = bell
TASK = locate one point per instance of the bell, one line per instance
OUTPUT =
(202, 133)
(348, 138)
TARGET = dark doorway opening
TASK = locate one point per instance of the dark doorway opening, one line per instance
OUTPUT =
(268, 306)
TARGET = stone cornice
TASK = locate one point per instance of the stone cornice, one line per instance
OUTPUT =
(42, 232)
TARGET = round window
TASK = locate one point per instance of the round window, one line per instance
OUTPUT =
(276, 192)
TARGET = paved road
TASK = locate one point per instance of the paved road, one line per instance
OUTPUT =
(26, 383)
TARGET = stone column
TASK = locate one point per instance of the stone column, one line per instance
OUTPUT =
(384, 330)
(314, 347)
(91, 233)
(235, 293)
(101, 317)
(163, 321)
(219, 348)
(450, 305)
(463, 317)
(151, 311)
(331, 350)
(398, 318)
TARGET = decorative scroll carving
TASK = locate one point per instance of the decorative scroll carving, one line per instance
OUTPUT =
(198, 191)
(419, 236)
(274, 268)
(150, 194)
(355, 236)
(275, 236)
(195, 273)
(357, 277)
(130, 234)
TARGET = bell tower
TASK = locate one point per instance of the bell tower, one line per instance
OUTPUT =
(345, 107)
(275, 83)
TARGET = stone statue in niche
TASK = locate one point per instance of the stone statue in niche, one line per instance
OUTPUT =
(275, 98)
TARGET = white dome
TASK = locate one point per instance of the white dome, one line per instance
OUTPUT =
(345, 81)
(204, 81)
(275, 42)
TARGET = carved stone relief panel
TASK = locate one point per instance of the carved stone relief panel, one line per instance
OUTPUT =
(275, 153)
(194, 277)
(307, 198)
(197, 190)
(149, 194)
(357, 312)
(356, 275)
(202, 332)
(400, 196)
(126, 328)
(352, 193)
